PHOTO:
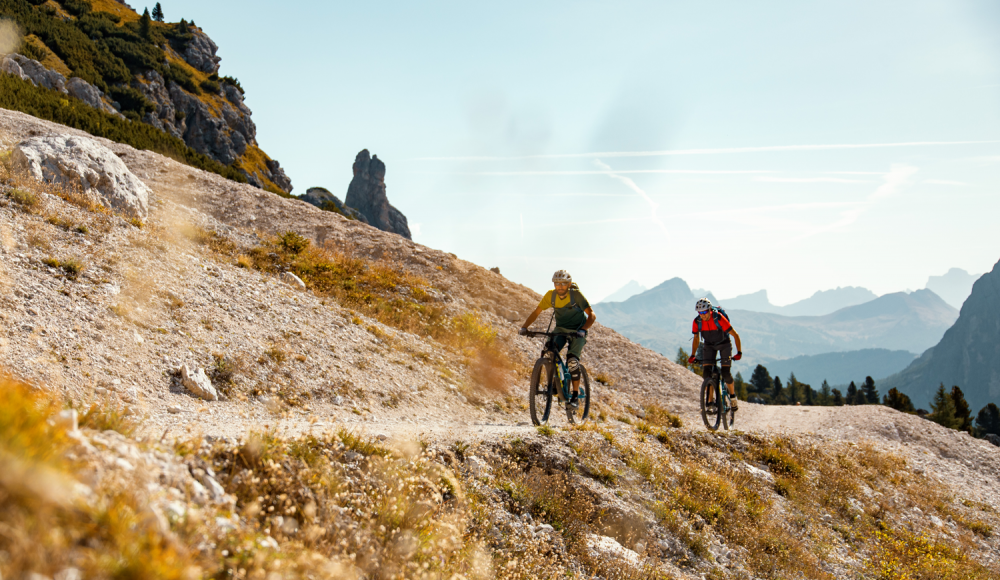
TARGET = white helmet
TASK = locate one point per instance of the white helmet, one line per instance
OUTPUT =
(562, 276)
(703, 305)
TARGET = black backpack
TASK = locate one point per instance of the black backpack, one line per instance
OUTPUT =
(716, 312)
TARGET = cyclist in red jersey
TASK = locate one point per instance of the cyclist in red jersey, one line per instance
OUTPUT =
(713, 326)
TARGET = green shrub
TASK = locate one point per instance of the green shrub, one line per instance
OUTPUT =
(210, 86)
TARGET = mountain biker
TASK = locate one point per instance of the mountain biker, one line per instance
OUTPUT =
(715, 329)
(573, 315)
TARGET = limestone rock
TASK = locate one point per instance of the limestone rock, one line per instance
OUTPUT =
(198, 383)
(324, 199)
(367, 195)
(200, 52)
(84, 163)
(604, 547)
(293, 280)
(90, 95)
(36, 72)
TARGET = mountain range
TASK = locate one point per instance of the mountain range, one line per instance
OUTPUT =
(661, 317)
(625, 292)
(968, 354)
(954, 286)
(820, 303)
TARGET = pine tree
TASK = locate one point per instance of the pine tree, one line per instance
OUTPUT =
(988, 420)
(962, 412)
(825, 396)
(760, 381)
(158, 13)
(838, 398)
(898, 401)
(682, 358)
(810, 395)
(852, 394)
(144, 24)
(943, 409)
(870, 392)
(777, 392)
(792, 392)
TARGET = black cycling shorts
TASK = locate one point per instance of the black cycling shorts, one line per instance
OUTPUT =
(725, 350)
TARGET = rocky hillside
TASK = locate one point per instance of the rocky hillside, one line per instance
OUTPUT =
(166, 75)
(243, 386)
(968, 354)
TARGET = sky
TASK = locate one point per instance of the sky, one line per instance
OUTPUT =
(786, 146)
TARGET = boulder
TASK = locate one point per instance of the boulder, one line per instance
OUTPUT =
(366, 194)
(293, 280)
(324, 199)
(198, 383)
(83, 162)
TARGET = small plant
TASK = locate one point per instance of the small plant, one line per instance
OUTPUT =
(459, 448)
(293, 243)
(136, 222)
(276, 354)
(545, 430)
(605, 379)
(244, 261)
(24, 198)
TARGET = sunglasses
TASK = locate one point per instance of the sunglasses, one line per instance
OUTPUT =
(704, 311)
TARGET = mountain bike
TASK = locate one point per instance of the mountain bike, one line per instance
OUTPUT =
(724, 412)
(550, 378)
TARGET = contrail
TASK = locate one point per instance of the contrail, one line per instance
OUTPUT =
(720, 151)
(629, 171)
(631, 185)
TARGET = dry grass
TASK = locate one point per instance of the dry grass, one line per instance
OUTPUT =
(382, 291)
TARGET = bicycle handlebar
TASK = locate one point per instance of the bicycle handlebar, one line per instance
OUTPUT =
(533, 334)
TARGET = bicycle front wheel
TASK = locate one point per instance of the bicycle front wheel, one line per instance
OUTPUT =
(581, 413)
(712, 419)
(540, 392)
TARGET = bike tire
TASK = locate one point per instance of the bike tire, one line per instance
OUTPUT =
(581, 413)
(729, 417)
(712, 420)
(540, 392)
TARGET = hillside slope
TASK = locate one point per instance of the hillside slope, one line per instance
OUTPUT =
(968, 354)
(373, 424)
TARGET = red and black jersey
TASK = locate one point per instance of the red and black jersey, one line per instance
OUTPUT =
(715, 330)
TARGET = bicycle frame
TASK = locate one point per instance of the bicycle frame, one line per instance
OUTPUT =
(561, 375)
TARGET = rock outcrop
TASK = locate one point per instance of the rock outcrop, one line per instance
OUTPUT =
(324, 199)
(84, 163)
(221, 129)
(36, 73)
(968, 354)
(367, 195)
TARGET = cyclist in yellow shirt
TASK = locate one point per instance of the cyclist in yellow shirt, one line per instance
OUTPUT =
(573, 315)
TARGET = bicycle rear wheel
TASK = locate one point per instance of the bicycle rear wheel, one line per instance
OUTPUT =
(540, 391)
(729, 416)
(713, 419)
(581, 413)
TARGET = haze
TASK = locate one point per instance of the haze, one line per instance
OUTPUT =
(787, 146)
